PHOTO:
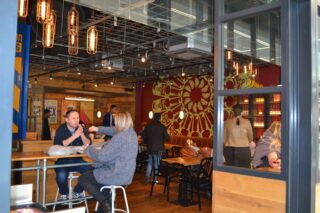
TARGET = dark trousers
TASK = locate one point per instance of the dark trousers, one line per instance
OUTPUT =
(89, 183)
(237, 156)
(62, 174)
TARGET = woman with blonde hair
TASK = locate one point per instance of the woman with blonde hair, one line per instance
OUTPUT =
(269, 142)
(115, 161)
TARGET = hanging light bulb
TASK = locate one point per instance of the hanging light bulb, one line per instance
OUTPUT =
(144, 58)
(49, 30)
(43, 10)
(73, 31)
(92, 40)
(73, 44)
(150, 115)
(181, 115)
(23, 8)
(98, 114)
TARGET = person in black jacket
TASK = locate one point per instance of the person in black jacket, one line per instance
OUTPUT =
(154, 135)
(46, 134)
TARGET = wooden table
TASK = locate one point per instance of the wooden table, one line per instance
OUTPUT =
(185, 161)
(41, 156)
(168, 146)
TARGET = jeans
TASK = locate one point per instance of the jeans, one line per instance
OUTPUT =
(157, 158)
(62, 174)
(89, 183)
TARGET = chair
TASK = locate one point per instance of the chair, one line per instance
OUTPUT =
(200, 178)
(113, 189)
(168, 172)
(71, 176)
(142, 156)
(175, 151)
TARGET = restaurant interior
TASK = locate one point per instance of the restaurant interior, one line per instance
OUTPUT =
(146, 57)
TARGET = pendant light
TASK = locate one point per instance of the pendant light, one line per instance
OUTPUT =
(92, 40)
(23, 8)
(43, 10)
(73, 31)
(49, 30)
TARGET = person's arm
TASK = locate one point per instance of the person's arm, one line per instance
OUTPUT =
(109, 151)
(107, 130)
(85, 137)
(166, 134)
(250, 132)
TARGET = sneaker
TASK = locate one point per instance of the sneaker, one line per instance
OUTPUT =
(63, 198)
(76, 195)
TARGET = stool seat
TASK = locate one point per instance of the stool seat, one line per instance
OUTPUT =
(113, 189)
(71, 201)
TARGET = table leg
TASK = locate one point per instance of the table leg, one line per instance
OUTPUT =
(44, 176)
(38, 181)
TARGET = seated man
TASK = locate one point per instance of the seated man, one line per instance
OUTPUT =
(71, 133)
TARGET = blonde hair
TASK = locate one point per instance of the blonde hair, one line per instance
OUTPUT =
(275, 128)
(123, 121)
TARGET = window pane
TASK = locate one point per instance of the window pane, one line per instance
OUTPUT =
(252, 131)
(237, 5)
(252, 52)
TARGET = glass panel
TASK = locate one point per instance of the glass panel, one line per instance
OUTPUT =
(252, 52)
(252, 131)
(231, 6)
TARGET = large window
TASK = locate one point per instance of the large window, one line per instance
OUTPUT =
(248, 90)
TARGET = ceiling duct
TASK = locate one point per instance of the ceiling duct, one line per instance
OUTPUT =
(189, 49)
(116, 65)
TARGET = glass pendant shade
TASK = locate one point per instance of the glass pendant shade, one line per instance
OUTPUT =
(73, 44)
(49, 30)
(43, 10)
(23, 8)
(92, 40)
(73, 21)
(73, 31)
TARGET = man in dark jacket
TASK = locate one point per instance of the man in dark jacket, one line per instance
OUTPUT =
(154, 135)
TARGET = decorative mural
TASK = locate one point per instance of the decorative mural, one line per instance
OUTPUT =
(243, 80)
(192, 95)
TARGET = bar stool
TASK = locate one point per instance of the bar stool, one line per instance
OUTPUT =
(113, 198)
(71, 176)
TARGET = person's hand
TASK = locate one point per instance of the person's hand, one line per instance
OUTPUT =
(93, 129)
(79, 131)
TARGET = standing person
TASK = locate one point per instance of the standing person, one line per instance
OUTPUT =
(237, 136)
(108, 119)
(46, 133)
(154, 135)
(115, 161)
(71, 133)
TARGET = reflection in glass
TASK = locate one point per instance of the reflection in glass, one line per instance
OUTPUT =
(253, 52)
(237, 5)
(252, 131)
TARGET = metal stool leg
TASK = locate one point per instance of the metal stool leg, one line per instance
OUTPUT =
(55, 200)
(113, 198)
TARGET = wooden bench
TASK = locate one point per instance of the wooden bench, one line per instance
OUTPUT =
(181, 140)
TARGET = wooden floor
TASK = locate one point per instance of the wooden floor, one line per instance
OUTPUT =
(140, 201)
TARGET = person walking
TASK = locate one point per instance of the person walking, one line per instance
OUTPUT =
(154, 135)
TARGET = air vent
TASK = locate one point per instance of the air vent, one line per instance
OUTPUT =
(190, 49)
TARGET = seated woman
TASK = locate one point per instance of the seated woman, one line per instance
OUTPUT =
(263, 148)
(115, 161)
